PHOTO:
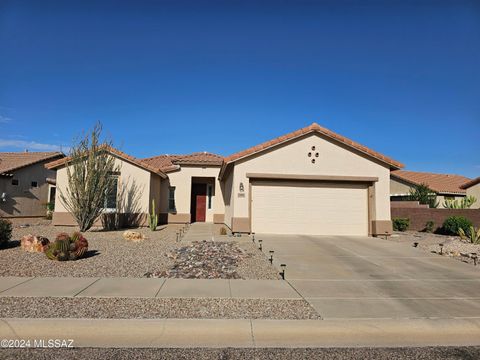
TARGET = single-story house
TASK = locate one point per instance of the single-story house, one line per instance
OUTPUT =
(446, 186)
(472, 188)
(310, 181)
(26, 186)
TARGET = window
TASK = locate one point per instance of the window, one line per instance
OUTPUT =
(14, 181)
(209, 195)
(34, 184)
(111, 196)
(171, 199)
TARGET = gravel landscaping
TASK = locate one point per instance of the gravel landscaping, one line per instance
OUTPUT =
(110, 255)
(399, 353)
(146, 308)
(453, 246)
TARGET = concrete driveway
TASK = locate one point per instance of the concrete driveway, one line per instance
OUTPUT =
(359, 277)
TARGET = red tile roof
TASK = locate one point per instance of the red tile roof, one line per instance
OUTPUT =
(470, 183)
(118, 153)
(440, 183)
(321, 130)
(11, 161)
(171, 162)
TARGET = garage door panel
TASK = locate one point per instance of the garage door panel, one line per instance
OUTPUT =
(309, 208)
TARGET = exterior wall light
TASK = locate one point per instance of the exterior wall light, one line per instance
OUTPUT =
(241, 187)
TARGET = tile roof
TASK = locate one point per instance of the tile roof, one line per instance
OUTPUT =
(118, 153)
(168, 162)
(318, 129)
(470, 183)
(10, 161)
(440, 183)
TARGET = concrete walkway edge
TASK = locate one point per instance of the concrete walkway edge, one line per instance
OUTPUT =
(210, 333)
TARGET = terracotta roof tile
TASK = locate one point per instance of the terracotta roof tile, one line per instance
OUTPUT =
(11, 161)
(470, 183)
(168, 162)
(440, 183)
(120, 154)
(313, 128)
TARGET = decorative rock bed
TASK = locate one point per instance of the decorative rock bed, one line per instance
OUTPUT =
(204, 260)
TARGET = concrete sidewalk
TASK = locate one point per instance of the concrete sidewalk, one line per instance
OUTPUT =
(145, 288)
(175, 333)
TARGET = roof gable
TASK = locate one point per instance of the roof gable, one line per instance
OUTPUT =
(11, 161)
(313, 128)
(440, 183)
(117, 153)
(471, 183)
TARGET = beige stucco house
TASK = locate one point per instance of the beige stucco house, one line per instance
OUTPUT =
(26, 186)
(446, 186)
(311, 181)
(472, 188)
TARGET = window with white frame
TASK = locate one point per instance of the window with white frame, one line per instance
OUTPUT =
(171, 199)
(111, 196)
(209, 195)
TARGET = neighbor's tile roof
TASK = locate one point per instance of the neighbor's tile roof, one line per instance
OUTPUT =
(440, 183)
(470, 183)
(319, 129)
(118, 153)
(10, 161)
(168, 162)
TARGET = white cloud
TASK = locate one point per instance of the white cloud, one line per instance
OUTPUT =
(4, 119)
(32, 145)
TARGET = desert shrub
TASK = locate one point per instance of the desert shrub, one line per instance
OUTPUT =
(429, 226)
(401, 224)
(424, 195)
(472, 235)
(453, 224)
(66, 247)
(223, 231)
(5, 231)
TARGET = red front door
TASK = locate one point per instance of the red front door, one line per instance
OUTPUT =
(199, 202)
(201, 208)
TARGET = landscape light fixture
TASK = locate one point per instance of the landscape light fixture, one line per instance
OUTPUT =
(271, 256)
(177, 235)
(415, 244)
(474, 257)
(441, 249)
(283, 266)
(253, 237)
(260, 245)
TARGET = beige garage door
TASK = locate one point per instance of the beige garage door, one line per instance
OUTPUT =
(309, 208)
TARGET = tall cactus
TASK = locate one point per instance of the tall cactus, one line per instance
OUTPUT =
(153, 218)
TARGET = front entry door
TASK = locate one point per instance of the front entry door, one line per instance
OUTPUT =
(199, 202)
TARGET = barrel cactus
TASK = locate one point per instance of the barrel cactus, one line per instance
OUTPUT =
(66, 247)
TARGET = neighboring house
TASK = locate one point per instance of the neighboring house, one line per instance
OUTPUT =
(446, 186)
(472, 188)
(26, 186)
(311, 181)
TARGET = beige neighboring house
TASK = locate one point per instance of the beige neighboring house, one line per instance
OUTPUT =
(26, 186)
(310, 181)
(446, 186)
(472, 188)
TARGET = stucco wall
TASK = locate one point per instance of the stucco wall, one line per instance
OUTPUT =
(133, 188)
(182, 181)
(334, 159)
(475, 191)
(23, 199)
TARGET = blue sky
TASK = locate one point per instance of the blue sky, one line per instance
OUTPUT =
(402, 77)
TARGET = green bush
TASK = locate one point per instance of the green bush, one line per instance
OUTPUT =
(401, 224)
(453, 224)
(5, 231)
(429, 226)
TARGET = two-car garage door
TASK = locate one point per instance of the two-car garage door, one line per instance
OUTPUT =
(317, 208)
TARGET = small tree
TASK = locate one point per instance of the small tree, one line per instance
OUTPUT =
(424, 195)
(90, 167)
